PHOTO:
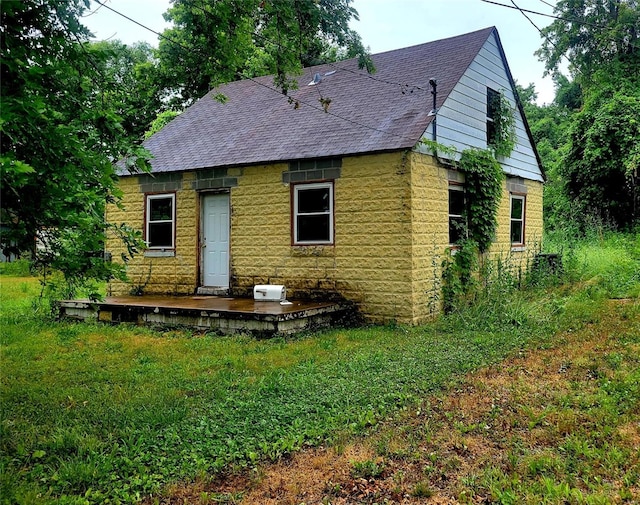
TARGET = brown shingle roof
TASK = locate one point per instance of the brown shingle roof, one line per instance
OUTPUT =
(385, 111)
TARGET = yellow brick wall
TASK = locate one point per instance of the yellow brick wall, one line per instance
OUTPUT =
(517, 258)
(370, 261)
(430, 236)
(430, 211)
(166, 275)
(391, 235)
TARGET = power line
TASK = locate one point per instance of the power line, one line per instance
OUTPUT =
(538, 13)
(547, 3)
(528, 18)
(325, 110)
(559, 18)
(143, 26)
(91, 13)
(522, 11)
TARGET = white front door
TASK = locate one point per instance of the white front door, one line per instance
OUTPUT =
(215, 240)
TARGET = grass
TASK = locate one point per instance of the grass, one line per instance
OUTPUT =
(96, 413)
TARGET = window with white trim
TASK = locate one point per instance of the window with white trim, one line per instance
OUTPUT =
(160, 219)
(457, 219)
(517, 219)
(313, 213)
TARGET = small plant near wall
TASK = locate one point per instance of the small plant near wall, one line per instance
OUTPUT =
(138, 289)
(457, 278)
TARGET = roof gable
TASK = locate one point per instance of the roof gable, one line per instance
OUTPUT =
(461, 121)
(388, 110)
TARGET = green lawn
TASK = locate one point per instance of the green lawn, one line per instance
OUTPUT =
(96, 413)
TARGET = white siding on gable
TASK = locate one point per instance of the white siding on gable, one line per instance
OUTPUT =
(461, 121)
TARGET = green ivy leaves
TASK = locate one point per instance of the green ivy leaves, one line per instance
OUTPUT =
(483, 183)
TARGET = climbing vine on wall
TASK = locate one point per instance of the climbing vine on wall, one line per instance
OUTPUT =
(483, 190)
(504, 126)
(483, 185)
(484, 178)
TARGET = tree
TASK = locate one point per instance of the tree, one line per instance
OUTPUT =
(599, 163)
(71, 109)
(592, 34)
(602, 163)
(217, 41)
(550, 125)
(132, 91)
(61, 135)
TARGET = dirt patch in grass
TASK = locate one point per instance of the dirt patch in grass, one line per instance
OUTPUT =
(561, 423)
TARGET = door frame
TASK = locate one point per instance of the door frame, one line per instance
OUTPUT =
(201, 223)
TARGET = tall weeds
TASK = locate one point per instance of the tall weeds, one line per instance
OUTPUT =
(509, 290)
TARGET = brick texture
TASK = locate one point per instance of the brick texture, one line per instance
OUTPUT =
(391, 235)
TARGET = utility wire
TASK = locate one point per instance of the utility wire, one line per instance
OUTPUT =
(547, 3)
(538, 13)
(321, 109)
(560, 18)
(91, 13)
(528, 19)
(572, 20)
(524, 13)
(142, 26)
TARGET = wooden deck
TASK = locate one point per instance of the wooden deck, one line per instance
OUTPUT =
(225, 315)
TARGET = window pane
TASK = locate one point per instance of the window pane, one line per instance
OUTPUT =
(160, 209)
(516, 232)
(516, 208)
(491, 133)
(313, 228)
(313, 200)
(492, 102)
(456, 202)
(456, 229)
(160, 235)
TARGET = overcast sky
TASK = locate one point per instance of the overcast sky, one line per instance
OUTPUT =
(383, 25)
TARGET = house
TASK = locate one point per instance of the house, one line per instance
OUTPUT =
(329, 191)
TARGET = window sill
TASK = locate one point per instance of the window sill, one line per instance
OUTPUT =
(518, 248)
(302, 250)
(159, 253)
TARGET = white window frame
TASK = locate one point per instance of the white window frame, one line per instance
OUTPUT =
(521, 220)
(296, 191)
(460, 188)
(147, 218)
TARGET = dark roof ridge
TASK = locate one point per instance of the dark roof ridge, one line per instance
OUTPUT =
(488, 29)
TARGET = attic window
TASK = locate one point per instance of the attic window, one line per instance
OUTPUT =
(313, 213)
(493, 103)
